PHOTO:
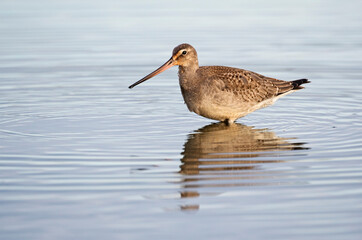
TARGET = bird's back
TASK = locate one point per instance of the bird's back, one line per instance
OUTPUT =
(248, 85)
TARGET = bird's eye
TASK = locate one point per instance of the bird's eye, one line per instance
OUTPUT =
(184, 53)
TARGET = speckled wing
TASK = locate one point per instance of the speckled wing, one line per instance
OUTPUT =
(244, 85)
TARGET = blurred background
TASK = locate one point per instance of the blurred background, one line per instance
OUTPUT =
(82, 156)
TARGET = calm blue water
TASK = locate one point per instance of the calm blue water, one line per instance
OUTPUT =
(84, 157)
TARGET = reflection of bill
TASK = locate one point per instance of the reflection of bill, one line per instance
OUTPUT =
(217, 152)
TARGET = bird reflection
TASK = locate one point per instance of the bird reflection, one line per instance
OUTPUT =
(219, 155)
(223, 156)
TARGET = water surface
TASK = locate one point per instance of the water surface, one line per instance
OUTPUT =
(84, 157)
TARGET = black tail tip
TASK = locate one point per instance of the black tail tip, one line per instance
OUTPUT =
(297, 83)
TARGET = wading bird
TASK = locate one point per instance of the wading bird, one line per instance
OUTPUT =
(222, 93)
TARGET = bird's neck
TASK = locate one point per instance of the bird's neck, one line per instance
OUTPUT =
(187, 75)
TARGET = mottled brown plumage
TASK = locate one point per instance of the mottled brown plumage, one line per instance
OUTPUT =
(223, 93)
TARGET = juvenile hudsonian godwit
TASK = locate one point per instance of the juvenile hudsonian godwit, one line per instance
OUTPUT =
(222, 93)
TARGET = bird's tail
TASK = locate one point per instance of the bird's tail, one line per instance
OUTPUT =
(297, 83)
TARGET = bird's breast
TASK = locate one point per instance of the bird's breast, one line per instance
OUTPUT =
(191, 90)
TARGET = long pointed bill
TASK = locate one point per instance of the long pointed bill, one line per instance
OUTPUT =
(164, 67)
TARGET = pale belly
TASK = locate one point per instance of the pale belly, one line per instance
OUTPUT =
(228, 110)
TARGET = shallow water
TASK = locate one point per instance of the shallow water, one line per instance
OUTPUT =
(84, 157)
